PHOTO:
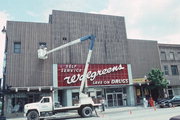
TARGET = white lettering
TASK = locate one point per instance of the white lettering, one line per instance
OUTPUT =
(97, 82)
(92, 75)
(116, 81)
(67, 79)
(73, 79)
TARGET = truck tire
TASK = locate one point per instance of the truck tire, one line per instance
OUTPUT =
(86, 111)
(33, 115)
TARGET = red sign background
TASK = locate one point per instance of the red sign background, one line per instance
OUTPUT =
(69, 74)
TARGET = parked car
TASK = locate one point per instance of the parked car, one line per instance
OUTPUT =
(159, 101)
(175, 101)
(175, 118)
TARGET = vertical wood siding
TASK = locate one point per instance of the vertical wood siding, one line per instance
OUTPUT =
(144, 56)
(25, 69)
(110, 45)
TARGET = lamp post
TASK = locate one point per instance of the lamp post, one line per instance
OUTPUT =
(2, 93)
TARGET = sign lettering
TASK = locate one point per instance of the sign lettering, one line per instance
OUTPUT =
(98, 74)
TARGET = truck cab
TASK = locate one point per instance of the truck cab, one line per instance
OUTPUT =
(45, 105)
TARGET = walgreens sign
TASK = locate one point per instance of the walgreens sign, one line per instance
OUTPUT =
(98, 74)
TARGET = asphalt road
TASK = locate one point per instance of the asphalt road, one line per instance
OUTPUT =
(143, 114)
(123, 114)
(140, 114)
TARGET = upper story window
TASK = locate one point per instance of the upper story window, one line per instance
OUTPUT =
(171, 56)
(17, 47)
(178, 55)
(174, 70)
(166, 70)
(163, 56)
(64, 38)
(43, 44)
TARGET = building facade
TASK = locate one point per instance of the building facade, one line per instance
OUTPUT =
(144, 55)
(117, 68)
(170, 64)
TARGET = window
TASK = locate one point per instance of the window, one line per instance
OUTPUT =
(174, 70)
(170, 92)
(163, 56)
(178, 55)
(64, 38)
(17, 47)
(99, 93)
(172, 56)
(166, 71)
(75, 98)
(42, 44)
(45, 100)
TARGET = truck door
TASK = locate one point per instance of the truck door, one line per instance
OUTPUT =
(45, 105)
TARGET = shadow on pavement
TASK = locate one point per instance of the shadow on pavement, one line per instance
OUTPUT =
(68, 117)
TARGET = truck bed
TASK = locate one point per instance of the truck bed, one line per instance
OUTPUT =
(61, 109)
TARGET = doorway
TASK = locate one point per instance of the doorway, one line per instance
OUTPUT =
(114, 99)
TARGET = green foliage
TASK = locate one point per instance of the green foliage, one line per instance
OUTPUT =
(157, 80)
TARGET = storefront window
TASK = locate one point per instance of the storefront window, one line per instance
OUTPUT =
(111, 90)
(124, 90)
(99, 94)
(18, 104)
(75, 98)
(138, 92)
(19, 100)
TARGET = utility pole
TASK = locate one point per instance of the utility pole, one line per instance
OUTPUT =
(2, 90)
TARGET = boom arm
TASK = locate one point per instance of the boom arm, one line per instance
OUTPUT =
(42, 54)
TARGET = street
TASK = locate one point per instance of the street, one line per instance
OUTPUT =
(144, 114)
(125, 113)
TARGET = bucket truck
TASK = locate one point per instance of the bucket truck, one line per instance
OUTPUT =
(46, 106)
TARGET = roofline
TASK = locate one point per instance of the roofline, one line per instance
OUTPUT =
(168, 45)
(87, 13)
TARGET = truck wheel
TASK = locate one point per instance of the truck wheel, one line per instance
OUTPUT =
(86, 111)
(33, 115)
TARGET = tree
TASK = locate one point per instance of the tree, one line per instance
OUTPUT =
(157, 83)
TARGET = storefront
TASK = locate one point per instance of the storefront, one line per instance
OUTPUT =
(141, 89)
(113, 82)
(18, 97)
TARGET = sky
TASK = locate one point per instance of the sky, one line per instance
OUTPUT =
(145, 19)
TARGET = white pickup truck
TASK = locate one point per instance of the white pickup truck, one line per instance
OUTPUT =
(46, 107)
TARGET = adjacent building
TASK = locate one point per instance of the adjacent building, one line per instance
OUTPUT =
(144, 55)
(170, 64)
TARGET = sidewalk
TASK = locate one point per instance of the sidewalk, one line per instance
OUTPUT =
(124, 109)
(108, 110)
